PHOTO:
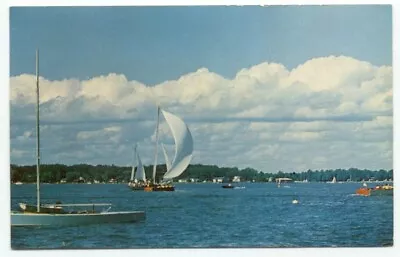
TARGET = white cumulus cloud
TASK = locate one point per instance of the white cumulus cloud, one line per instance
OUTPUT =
(330, 112)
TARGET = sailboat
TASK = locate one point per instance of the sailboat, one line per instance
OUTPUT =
(138, 179)
(183, 152)
(56, 214)
(333, 180)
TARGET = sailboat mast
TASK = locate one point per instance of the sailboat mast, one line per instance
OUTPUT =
(133, 162)
(156, 151)
(37, 134)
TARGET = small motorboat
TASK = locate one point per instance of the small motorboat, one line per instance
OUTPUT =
(228, 186)
(377, 190)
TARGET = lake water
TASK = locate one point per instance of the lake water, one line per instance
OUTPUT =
(206, 215)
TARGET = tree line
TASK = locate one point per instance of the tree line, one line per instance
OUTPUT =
(53, 173)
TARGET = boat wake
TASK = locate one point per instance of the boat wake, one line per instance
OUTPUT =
(239, 187)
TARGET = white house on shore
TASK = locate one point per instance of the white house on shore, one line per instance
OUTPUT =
(236, 179)
(218, 180)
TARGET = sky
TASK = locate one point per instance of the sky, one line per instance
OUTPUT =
(273, 88)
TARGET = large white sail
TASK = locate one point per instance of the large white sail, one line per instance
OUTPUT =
(183, 145)
(140, 172)
(167, 162)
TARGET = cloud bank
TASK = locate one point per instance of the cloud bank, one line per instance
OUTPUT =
(330, 112)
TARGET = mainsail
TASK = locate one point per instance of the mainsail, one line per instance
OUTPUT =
(183, 145)
(140, 173)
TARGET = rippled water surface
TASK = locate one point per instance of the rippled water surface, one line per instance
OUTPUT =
(206, 215)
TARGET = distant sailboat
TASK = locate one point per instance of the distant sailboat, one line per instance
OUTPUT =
(138, 179)
(140, 174)
(54, 214)
(183, 151)
(333, 180)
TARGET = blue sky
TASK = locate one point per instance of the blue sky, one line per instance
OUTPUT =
(285, 88)
(154, 44)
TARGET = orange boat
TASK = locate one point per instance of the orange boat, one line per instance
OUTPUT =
(378, 190)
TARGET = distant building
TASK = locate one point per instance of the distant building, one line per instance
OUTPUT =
(270, 179)
(236, 179)
(79, 180)
(193, 180)
(63, 181)
(182, 180)
(218, 180)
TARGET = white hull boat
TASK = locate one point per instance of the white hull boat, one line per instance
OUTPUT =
(54, 214)
(333, 181)
(64, 219)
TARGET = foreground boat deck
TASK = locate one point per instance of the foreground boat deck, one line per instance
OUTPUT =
(50, 219)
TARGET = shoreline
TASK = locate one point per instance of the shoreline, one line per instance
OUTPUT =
(244, 182)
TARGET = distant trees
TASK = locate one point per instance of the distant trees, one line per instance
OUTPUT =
(52, 173)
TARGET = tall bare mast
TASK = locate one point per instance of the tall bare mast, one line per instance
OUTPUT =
(37, 134)
(156, 151)
(134, 157)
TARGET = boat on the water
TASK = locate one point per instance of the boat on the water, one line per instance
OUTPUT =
(228, 186)
(59, 215)
(375, 191)
(183, 152)
(233, 186)
(333, 181)
(159, 187)
(280, 181)
(56, 214)
(138, 179)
